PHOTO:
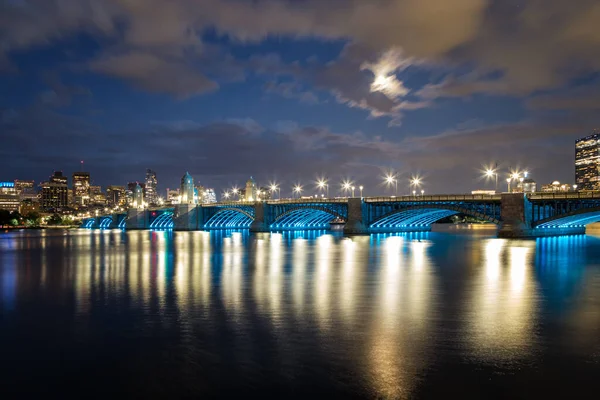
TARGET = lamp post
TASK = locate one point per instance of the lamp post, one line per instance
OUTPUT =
(297, 190)
(274, 188)
(492, 173)
(346, 186)
(414, 193)
(508, 183)
(353, 191)
(391, 179)
(422, 192)
(415, 182)
(322, 184)
(361, 191)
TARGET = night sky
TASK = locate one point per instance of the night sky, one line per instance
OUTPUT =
(289, 90)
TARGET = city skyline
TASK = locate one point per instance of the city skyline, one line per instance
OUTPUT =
(305, 91)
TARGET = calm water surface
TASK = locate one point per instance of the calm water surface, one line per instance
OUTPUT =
(162, 314)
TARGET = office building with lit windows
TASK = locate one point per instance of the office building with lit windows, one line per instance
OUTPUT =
(25, 189)
(81, 188)
(9, 197)
(587, 162)
(150, 190)
(54, 193)
(115, 196)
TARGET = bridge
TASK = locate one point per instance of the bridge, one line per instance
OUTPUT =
(517, 215)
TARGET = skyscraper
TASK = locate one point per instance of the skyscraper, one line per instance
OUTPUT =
(150, 191)
(81, 188)
(187, 189)
(54, 192)
(59, 178)
(587, 162)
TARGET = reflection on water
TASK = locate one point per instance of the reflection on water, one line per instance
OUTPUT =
(376, 316)
(504, 301)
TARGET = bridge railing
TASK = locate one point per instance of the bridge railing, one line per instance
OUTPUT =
(564, 196)
(229, 203)
(440, 197)
(309, 201)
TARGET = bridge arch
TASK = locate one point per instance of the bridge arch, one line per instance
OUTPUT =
(303, 217)
(573, 219)
(422, 216)
(163, 221)
(230, 218)
(105, 222)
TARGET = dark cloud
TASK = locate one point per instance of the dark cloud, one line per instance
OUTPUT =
(153, 73)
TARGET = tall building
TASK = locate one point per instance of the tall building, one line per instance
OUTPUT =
(187, 189)
(59, 178)
(115, 196)
(81, 188)
(54, 192)
(9, 197)
(251, 193)
(150, 190)
(587, 162)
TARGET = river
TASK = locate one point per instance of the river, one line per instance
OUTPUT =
(230, 314)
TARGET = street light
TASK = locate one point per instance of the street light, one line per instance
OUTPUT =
(492, 172)
(274, 188)
(414, 193)
(236, 192)
(575, 188)
(415, 182)
(361, 191)
(346, 186)
(508, 183)
(422, 192)
(226, 195)
(391, 179)
(322, 184)
(297, 190)
(353, 191)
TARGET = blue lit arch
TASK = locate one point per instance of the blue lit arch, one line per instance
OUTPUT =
(163, 221)
(105, 222)
(421, 217)
(578, 218)
(89, 223)
(123, 222)
(230, 218)
(301, 218)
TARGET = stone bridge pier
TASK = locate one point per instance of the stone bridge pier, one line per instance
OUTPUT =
(518, 222)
